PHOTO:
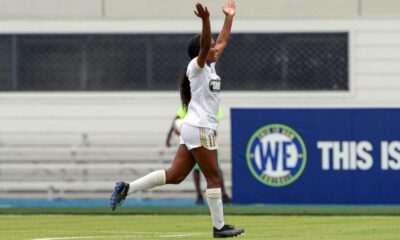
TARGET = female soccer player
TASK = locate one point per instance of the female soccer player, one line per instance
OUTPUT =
(199, 90)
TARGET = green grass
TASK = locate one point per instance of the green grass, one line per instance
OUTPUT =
(24, 227)
(230, 210)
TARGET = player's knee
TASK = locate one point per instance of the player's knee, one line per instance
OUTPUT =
(174, 178)
(214, 181)
(177, 180)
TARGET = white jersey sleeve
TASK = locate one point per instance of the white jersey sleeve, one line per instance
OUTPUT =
(193, 69)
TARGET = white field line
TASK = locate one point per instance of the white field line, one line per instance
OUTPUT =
(139, 235)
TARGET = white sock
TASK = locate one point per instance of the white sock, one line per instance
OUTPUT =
(216, 208)
(153, 179)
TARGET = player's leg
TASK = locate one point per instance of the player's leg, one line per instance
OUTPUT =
(207, 159)
(196, 176)
(197, 185)
(181, 167)
(208, 163)
(225, 197)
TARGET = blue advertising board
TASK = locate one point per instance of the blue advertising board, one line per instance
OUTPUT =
(316, 156)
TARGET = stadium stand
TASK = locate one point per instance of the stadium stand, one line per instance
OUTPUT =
(127, 9)
(74, 146)
(67, 165)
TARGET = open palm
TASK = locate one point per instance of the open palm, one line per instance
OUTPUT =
(229, 8)
(201, 12)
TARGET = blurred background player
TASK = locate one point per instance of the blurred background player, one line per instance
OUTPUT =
(175, 128)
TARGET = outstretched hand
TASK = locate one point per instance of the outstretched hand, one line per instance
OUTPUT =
(229, 8)
(202, 12)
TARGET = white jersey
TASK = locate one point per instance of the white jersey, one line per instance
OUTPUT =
(205, 85)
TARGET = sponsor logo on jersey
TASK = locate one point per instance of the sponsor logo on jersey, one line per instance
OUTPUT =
(276, 155)
(215, 85)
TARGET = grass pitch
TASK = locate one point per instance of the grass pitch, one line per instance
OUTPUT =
(64, 227)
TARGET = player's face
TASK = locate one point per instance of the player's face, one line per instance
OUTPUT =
(213, 53)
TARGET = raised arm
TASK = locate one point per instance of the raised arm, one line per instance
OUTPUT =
(205, 39)
(229, 10)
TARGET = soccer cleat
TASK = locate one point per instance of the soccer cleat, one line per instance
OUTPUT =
(119, 194)
(227, 231)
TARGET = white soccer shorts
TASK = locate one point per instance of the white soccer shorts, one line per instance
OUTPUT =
(195, 137)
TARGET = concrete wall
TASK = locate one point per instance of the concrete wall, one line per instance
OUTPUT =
(50, 9)
(176, 9)
(374, 81)
(381, 8)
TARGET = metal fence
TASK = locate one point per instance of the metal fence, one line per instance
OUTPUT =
(129, 62)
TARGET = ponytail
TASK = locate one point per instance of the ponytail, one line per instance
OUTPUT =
(184, 84)
(184, 90)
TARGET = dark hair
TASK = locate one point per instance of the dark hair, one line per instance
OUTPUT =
(184, 84)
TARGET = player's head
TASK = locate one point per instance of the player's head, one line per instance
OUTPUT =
(194, 49)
